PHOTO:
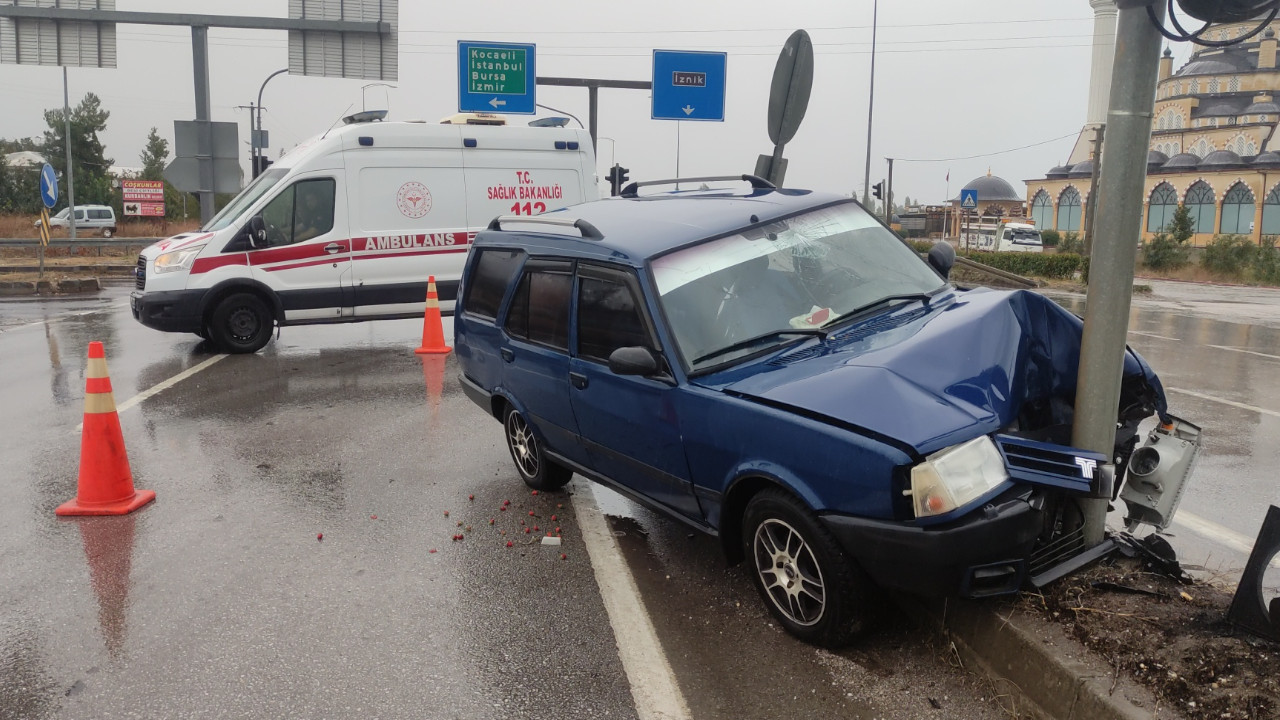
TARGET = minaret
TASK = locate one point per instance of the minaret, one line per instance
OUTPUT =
(1104, 50)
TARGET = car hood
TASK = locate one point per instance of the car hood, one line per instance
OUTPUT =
(930, 376)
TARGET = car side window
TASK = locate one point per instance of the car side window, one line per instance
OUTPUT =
(301, 212)
(489, 280)
(539, 309)
(609, 314)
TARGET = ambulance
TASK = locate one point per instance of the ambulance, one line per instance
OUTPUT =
(349, 225)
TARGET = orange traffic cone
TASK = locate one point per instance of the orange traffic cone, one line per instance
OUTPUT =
(105, 484)
(432, 326)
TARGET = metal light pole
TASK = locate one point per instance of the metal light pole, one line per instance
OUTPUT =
(871, 100)
(1119, 208)
(257, 143)
(71, 182)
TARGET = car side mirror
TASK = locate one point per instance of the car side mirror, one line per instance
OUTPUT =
(634, 360)
(257, 232)
(942, 257)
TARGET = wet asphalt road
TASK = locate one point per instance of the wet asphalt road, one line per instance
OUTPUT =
(219, 601)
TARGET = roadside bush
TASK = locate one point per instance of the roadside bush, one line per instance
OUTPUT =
(1163, 252)
(922, 246)
(1058, 266)
(1265, 266)
(1229, 255)
(1071, 243)
(1050, 238)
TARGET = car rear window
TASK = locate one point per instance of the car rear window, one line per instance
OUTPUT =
(488, 284)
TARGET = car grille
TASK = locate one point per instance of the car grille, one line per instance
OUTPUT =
(1046, 464)
(1048, 555)
(140, 274)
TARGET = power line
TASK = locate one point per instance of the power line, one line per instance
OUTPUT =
(990, 154)
(732, 30)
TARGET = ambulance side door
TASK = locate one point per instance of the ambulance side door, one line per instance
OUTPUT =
(307, 259)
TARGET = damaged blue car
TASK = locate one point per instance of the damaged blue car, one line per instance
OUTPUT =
(777, 368)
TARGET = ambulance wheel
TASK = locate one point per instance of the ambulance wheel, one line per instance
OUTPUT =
(537, 471)
(241, 323)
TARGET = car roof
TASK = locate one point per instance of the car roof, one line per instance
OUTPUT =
(634, 229)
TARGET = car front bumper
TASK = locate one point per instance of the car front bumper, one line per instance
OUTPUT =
(170, 311)
(984, 553)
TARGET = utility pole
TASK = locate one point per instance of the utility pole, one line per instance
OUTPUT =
(71, 181)
(257, 141)
(888, 196)
(1119, 207)
(871, 100)
(1093, 189)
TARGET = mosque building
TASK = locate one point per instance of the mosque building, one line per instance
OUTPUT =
(1213, 140)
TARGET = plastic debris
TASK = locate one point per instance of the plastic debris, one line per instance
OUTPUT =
(549, 540)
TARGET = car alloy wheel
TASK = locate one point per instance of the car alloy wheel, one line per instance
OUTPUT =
(789, 572)
(524, 446)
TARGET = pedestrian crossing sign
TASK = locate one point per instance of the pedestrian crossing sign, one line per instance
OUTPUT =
(969, 199)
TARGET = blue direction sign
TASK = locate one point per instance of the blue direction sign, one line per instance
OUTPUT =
(969, 199)
(48, 186)
(688, 85)
(496, 77)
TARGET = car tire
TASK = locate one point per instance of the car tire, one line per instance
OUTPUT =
(108, 232)
(241, 323)
(816, 591)
(537, 471)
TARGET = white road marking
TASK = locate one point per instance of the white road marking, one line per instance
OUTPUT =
(1213, 531)
(653, 684)
(1232, 403)
(1247, 352)
(162, 386)
(1147, 334)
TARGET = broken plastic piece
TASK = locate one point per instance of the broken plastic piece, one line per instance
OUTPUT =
(549, 540)
(1249, 609)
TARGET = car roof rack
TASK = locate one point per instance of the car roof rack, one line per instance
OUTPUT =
(589, 231)
(757, 182)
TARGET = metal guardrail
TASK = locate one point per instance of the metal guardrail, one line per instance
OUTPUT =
(98, 242)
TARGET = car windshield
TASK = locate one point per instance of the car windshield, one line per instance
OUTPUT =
(1025, 237)
(247, 197)
(778, 283)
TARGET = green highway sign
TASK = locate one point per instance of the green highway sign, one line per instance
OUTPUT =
(496, 77)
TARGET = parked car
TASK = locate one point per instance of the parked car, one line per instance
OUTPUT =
(101, 218)
(777, 368)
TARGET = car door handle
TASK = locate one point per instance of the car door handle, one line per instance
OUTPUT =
(579, 380)
(332, 248)
(508, 355)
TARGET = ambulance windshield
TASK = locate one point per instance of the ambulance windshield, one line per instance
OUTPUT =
(247, 197)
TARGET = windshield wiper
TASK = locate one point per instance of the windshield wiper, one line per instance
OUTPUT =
(921, 296)
(822, 334)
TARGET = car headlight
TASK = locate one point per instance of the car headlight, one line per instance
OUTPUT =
(177, 260)
(955, 476)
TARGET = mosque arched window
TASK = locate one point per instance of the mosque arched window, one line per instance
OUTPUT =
(1214, 86)
(1233, 85)
(1237, 210)
(1201, 204)
(1271, 212)
(1069, 210)
(1042, 210)
(1164, 200)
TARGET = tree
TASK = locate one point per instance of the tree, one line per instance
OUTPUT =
(19, 145)
(1181, 227)
(154, 156)
(1167, 250)
(89, 162)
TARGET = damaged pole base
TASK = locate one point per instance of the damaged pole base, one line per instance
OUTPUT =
(1249, 609)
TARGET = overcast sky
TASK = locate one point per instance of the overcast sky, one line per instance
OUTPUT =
(952, 80)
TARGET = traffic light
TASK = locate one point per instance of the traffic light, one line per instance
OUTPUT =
(878, 190)
(617, 176)
(260, 164)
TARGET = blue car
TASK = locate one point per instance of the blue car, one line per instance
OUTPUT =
(776, 367)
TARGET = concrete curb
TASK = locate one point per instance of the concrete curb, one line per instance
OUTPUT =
(1049, 673)
(10, 288)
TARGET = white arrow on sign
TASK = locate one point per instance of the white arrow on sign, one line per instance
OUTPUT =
(49, 191)
(688, 109)
(496, 102)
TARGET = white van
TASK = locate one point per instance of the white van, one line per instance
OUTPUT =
(349, 225)
(1002, 236)
(88, 218)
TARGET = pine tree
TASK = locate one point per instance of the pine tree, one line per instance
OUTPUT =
(154, 156)
(89, 162)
